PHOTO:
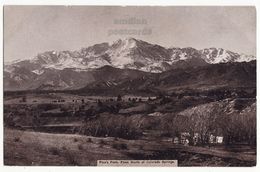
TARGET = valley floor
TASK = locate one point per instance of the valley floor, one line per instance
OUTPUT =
(36, 148)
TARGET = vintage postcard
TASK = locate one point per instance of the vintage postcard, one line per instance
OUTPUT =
(129, 86)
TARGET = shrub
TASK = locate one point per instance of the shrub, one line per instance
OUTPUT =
(47, 106)
(165, 100)
(75, 140)
(17, 139)
(89, 140)
(119, 98)
(54, 151)
(121, 146)
(115, 146)
(71, 159)
(80, 147)
(102, 142)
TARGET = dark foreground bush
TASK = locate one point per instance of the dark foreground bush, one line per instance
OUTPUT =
(54, 151)
(71, 159)
(102, 142)
(80, 147)
(121, 146)
(17, 139)
(89, 140)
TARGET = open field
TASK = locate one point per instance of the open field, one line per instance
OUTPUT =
(67, 98)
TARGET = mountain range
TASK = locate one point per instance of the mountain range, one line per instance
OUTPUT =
(118, 64)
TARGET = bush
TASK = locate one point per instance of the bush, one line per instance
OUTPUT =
(71, 159)
(89, 140)
(121, 146)
(47, 106)
(17, 139)
(80, 147)
(54, 151)
(119, 98)
(75, 140)
(165, 100)
(102, 142)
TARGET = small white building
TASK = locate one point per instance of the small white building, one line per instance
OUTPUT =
(212, 139)
(185, 138)
(219, 139)
(196, 138)
(215, 139)
(176, 140)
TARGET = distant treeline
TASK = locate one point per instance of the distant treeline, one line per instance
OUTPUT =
(218, 93)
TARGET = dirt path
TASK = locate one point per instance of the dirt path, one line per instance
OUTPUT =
(214, 152)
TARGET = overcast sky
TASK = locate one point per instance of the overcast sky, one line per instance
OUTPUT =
(29, 30)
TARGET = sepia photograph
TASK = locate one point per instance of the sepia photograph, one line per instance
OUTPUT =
(126, 86)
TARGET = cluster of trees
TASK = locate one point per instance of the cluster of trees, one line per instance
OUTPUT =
(112, 126)
(235, 127)
(240, 127)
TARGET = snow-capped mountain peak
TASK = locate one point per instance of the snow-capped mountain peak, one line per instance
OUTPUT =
(73, 69)
(128, 53)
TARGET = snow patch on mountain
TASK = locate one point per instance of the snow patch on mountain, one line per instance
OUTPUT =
(120, 52)
(219, 55)
(245, 58)
(38, 71)
(17, 78)
(97, 63)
